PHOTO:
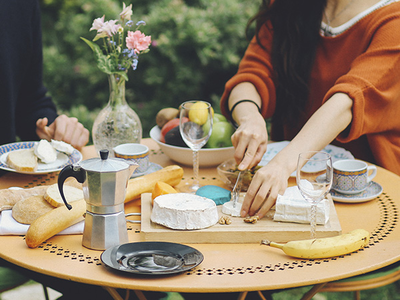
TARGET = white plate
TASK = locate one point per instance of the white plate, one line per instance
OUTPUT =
(62, 158)
(373, 190)
(152, 168)
(336, 153)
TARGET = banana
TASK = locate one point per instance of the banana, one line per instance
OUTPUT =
(324, 247)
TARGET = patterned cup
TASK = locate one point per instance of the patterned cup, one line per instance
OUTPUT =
(351, 176)
(136, 153)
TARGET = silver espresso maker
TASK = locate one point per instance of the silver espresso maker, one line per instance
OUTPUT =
(104, 182)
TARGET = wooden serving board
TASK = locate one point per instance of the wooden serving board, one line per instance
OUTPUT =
(237, 232)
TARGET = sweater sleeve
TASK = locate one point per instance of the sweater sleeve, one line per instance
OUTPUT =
(32, 100)
(373, 82)
(255, 68)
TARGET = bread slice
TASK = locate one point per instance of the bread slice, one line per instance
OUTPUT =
(23, 160)
(45, 152)
(29, 209)
(53, 196)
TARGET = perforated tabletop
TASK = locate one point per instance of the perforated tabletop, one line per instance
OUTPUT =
(226, 267)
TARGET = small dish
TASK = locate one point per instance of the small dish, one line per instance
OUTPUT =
(152, 258)
(373, 190)
(228, 173)
(62, 158)
(152, 168)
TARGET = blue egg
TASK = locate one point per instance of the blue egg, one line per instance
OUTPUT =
(216, 193)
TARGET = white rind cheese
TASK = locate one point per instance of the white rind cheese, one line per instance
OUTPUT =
(45, 152)
(184, 211)
(62, 147)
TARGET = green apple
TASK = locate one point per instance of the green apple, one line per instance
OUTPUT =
(216, 119)
(219, 118)
(221, 135)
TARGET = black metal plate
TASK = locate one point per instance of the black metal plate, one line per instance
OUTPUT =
(152, 258)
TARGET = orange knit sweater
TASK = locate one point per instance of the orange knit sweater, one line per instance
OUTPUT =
(364, 63)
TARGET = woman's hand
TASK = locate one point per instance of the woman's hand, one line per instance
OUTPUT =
(267, 183)
(250, 141)
(64, 129)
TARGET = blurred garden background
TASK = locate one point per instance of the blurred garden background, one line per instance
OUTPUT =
(196, 47)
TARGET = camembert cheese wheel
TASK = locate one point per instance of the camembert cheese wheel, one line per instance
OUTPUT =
(184, 211)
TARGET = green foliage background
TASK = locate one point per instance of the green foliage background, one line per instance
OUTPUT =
(197, 46)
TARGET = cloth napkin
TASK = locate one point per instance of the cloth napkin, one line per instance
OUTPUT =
(8, 226)
(292, 207)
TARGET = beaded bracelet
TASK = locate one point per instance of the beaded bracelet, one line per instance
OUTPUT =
(244, 100)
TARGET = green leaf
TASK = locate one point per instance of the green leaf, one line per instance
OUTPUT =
(90, 43)
(122, 74)
(103, 63)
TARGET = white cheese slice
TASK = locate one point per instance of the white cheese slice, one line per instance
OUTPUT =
(62, 147)
(228, 209)
(45, 152)
(184, 211)
(292, 207)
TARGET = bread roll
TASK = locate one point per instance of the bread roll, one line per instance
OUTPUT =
(53, 196)
(23, 160)
(53, 222)
(28, 210)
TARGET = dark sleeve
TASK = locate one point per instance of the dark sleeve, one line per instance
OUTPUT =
(32, 102)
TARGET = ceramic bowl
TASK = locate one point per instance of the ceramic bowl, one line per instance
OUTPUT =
(228, 173)
(208, 157)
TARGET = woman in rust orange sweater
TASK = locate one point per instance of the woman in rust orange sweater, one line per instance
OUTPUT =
(324, 71)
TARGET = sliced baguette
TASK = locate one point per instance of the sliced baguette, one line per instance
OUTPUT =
(23, 160)
(53, 196)
(28, 210)
(172, 175)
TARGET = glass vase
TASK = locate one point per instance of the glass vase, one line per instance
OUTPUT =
(117, 123)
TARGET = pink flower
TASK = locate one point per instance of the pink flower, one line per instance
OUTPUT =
(97, 23)
(137, 41)
(109, 27)
(126, 12)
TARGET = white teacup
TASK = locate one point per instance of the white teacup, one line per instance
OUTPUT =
(351, 176)
(137, 153)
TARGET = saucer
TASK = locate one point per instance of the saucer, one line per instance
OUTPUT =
(152, 168)
(373, 190)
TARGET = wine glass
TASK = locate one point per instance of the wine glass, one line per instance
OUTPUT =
(314, 180)
(195, 125)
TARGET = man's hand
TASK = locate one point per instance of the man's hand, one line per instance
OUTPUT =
(64, 129)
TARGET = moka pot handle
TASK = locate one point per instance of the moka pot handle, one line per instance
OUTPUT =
(70, 171)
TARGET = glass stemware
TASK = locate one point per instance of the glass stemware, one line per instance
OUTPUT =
(195, 125)
(314, 180)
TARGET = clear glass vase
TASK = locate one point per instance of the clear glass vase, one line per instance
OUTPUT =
(117, 123)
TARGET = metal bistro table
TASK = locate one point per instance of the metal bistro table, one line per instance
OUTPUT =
(226, 268)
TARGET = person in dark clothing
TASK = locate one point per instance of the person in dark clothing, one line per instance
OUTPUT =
(26, 111)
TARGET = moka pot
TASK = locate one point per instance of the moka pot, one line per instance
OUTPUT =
(104, 182)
